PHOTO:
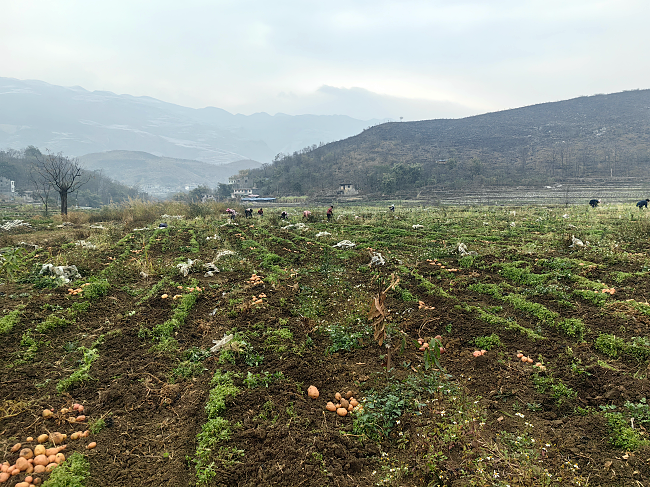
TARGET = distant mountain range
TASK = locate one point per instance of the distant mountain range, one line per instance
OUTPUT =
(77, 122)
(160, 176)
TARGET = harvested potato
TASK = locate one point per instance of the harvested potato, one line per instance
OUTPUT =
(26, 453)
(39, 468)
(51, 467)
(22, 463)
(344, 403)
(81, 418)
(59, 458)
(29, 438)
(58, 437)
(330, 406)
(353, 402)
(43, 438)
(47, 413)
(76, 435)
(342, 411)
(4, 476)
(55, 450)
(16, 447)
(349, 394)
(337, 396)
(39, 450)
(40, 460)
(91, 445)
(312, 392)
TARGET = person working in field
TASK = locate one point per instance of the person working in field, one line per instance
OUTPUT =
(642, 204)
(284, 215)
(594, 203)
(260, 212)
(330, 213)
(248, 212)
(306, 214)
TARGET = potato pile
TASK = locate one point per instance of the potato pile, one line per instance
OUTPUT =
(255, 280)
(424, 343)
(79, 290)
(529, 360)
(34, 456)
(344, 403)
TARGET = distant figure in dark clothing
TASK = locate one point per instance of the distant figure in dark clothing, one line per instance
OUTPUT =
(594, 203)
(248, 212)
(260, 212)
(162, 225)
(330, 213)
(284, 215)
(643, 203)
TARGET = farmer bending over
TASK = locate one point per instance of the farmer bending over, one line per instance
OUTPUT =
(260, 212)
(642, 203)
(283, 215)
(594, 203)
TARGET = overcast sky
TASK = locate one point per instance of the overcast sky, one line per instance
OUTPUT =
(367, 59)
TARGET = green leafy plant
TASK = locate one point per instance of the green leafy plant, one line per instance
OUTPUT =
(82, 374)
(216, 428)
(97, 425)
(488, 342)
(345, 338)
(71, 473)
(622, 435)
(9, 320)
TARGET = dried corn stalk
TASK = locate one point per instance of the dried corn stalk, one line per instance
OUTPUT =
(378, 312)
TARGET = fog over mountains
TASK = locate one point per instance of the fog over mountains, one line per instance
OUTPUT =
(77, 122)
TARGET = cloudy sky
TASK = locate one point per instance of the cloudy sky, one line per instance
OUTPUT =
(367, 59)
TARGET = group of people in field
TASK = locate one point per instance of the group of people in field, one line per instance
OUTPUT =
(248, 213)
(640, 204)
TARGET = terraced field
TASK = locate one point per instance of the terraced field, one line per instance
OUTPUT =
(130, 340)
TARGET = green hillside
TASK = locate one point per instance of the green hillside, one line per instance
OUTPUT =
(600, 136)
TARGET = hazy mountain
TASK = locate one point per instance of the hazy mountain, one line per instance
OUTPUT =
(600, 136)
(76, 122)
(161, 175)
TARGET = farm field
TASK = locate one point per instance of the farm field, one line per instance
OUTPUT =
(537, 377)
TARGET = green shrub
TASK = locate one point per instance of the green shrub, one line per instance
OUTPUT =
(71, 473)
(573, 327)
(404, 294)
(8, 321)
(345, 339)
(82, 373)
(610, 345)
(624, 436)
(96, 289)
(52, 322)
(488, 342)
(216, 428)
(593, 297)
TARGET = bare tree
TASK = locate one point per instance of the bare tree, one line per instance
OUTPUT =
(60, 173)
(41, 187)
